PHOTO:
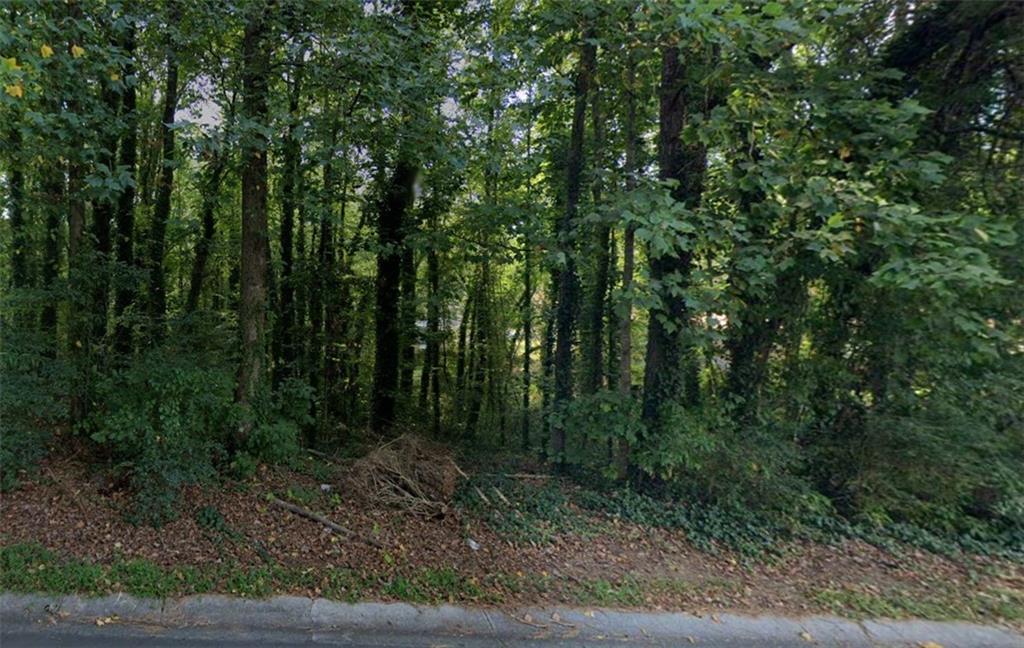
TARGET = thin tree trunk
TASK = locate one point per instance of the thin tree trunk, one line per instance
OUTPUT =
(460, 351)
(125, 294)
(527, 341)
(625, 382)
(593, 353)
(255, 244)
(479, 347)
(79, 345)
(102, 215)
(565, 318)
(165, 186)
(285, 333)
(547, 362)
(408, 322)
(430, 380)
(211, 193)
(53, 195)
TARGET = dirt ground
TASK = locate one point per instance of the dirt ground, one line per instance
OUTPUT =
(73, 514)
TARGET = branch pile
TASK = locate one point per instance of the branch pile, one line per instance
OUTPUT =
(409, 473)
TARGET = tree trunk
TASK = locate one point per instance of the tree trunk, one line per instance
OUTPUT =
(285, 333)
(565, 317)
(390, 232)
(408, 322)
(102, 215)
(527, 341)
(593, 353)
(78, 321)
(430, 379)
(253, 275)
(165, 186)
(666, 379)
(625, 372)
(211, 192)
(53, 195)
(125, 294)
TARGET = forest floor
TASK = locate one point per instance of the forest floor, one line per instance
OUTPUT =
(522, 540)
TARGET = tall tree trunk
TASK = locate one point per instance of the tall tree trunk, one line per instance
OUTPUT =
(211, 193)
(666, 379)
(593, 353)
(547, 363)
(53, 195)
(460, 351)
(255, 244)
(390, 235)
(565, 317)
(78, 312)
(625, 372)
(165, 186)
(527, 341)
(430, 379)
(125, 294)
(285, 333)
(407, 317)
(102, 215)
(478, 349)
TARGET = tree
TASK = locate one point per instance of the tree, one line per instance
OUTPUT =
(254, 261)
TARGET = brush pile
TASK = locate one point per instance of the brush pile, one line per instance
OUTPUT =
(409, 473)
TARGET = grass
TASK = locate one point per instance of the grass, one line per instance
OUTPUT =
(29, 568)
(940, 604)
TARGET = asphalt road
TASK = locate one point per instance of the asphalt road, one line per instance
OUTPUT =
(84, 636)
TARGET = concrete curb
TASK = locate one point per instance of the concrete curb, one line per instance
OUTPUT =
(320, 618)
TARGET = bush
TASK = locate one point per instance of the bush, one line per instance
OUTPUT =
(32, 403)
(164, 420)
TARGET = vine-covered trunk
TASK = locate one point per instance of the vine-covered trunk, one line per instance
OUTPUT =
(566, 310)
(666, 376)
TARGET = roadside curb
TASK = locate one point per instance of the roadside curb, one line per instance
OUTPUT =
(322, 617)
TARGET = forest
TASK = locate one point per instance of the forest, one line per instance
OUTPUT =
(743, 264)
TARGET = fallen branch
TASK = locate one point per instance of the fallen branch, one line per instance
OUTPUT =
(502, 496)
(482, 496)
(316, 517)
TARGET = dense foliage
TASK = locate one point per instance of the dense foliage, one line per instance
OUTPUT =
(759, 257)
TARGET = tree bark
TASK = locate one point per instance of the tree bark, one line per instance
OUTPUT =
(666, 376)
(211, 193)
(125, 294)
(102, 217)
(165, 186)
(390, 234)
(255, 244)
(565, 316)
(593, 353)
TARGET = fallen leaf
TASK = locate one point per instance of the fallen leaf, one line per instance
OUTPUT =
(806, 636)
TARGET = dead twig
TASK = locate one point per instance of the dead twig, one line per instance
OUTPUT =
(316, 517)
